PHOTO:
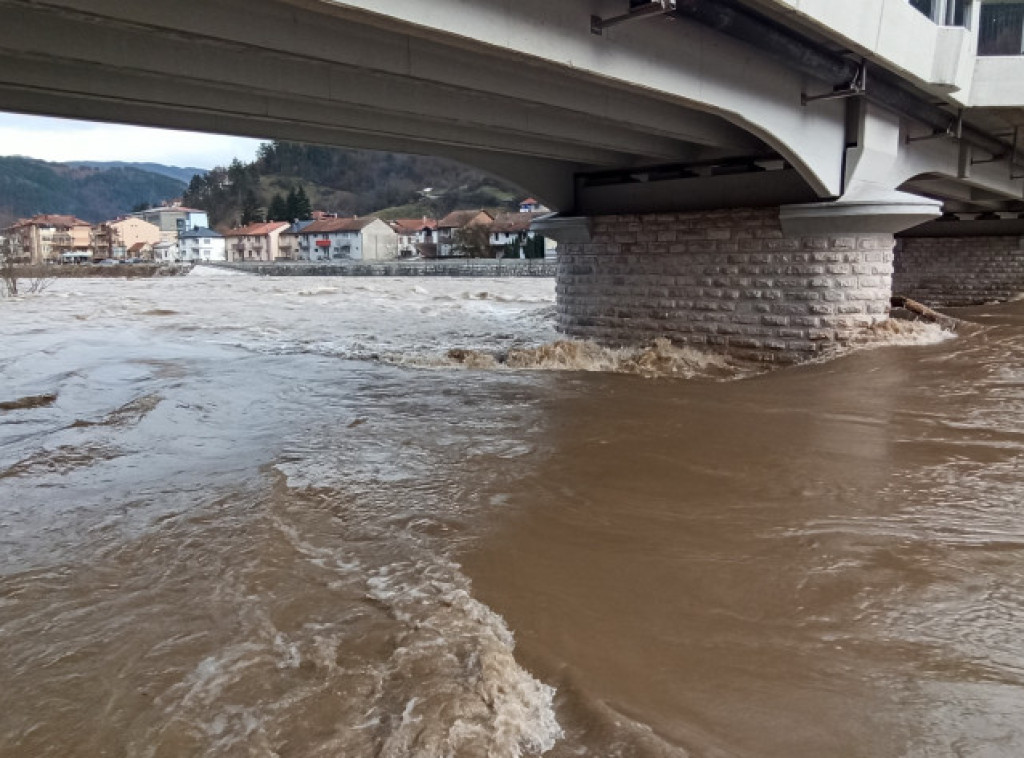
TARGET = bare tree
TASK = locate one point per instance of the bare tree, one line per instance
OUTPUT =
(474, 241)
(15, 279)
(8, 274)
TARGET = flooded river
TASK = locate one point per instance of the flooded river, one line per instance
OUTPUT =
(372, 517)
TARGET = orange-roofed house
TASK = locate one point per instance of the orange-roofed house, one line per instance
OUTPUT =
(449, 227)
(255, 242)
(346, 239)
(529, 205)
(49, 238)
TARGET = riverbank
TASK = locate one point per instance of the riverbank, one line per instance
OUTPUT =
(458, 267)
(93, 271)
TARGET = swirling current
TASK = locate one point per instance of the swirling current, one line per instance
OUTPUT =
(246, 516)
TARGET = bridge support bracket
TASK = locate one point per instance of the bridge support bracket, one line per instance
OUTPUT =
(857, 87)
(955, 130)
(637, 11)
(1014, 165)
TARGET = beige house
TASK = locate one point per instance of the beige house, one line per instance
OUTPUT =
(172, 220)
(255, 242)
(51, 238)
(116, 239)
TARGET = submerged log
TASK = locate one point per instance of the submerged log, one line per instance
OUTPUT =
(924, 312)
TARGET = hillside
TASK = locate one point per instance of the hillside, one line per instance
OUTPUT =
(29, 186)
(181, 173)
(347, 182)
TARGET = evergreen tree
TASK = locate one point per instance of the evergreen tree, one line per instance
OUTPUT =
(251, 212)
(292, 204)
(299, 207)
(279, 210)
(303, 208)
(534, 247)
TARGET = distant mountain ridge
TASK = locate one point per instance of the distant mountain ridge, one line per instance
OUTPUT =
(92, 192)
(181, 173)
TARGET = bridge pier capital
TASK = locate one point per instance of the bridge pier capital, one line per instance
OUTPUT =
(864, 214)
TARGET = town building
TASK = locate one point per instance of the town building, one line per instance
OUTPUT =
(417, 237)
(452, 227)
(51, 238)
(166, 252)
(117, 238)
(511, 237)
(288, 243)
(255, 242)
(202, 244)
(340, 239)
(172, 220)
(529, 205)
(140, 251)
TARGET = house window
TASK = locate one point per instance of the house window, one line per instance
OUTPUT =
(1002, 29)
(944, 12)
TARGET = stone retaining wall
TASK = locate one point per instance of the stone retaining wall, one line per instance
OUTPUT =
(952, 271)
(455, 268)
(730, 280)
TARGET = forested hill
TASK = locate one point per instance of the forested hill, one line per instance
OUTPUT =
(347, 182)
(181, 173)
(29, 186)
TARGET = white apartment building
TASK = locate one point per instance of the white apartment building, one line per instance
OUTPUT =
(202, 244)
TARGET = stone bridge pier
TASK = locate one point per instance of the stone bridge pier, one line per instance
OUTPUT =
(780, 284)
(954, 262)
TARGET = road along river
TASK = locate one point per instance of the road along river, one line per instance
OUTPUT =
(389, 517)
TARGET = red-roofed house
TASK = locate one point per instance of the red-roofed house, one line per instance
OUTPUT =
(511, 236)
(255, 242)
(140, 250)
(529, 205)
(341, 239)
(414, 234)
(51, 237)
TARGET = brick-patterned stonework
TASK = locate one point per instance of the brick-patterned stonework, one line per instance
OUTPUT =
(729, 280)
(950, 271)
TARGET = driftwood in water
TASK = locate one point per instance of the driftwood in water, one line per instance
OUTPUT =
(924, 312)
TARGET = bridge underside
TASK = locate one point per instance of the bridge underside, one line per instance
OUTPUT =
(694, 178)
(298, 72)
(660, 115)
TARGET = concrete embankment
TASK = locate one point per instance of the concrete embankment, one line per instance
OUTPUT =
(485, 268)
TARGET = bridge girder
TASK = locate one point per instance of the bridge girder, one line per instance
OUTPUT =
(275, 69)
(521, 88)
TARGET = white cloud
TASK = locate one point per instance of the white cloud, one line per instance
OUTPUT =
(55, 139)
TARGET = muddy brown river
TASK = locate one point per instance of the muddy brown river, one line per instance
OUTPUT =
(395, 517)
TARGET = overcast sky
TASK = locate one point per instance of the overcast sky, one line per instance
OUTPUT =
(55, 139)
